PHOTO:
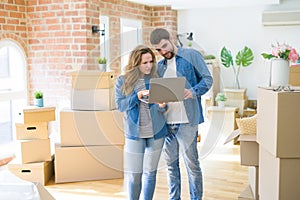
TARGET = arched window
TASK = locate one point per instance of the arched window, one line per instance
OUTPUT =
(13, 86)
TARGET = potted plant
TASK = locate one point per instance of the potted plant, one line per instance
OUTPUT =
(220, 99)
(281, 56)
(38, 98)
(243, 58)
(102, 63)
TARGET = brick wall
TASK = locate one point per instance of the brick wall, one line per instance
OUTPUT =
(57, 38)
(13, 22)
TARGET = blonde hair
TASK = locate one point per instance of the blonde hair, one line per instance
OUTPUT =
(132, 72)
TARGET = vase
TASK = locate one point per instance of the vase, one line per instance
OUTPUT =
(280, 72)
(39, 102)
(236, 83)
(221, 104)
(102, 67)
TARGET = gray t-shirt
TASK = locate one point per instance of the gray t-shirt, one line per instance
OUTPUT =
(146, 130)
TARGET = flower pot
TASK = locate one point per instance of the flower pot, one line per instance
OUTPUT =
(39, 102)
(102, 67)
(280, 72)
(221, 104)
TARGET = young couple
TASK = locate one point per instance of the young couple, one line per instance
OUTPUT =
(153, 128)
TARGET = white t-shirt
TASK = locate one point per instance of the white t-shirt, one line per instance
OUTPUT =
(176, 113)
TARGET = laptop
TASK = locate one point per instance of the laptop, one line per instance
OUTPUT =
(165, 90)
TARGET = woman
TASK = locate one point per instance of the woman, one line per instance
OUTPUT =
(144, 126)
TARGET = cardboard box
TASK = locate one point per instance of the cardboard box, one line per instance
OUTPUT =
(29, 151)
(279, 178)
(92, 79)
(33, 114)
(237, 94)
(81, 128)
(253, 174)
(248, 150)
(278, 122)
(14, 188)
(88, 163)
(222, 119)
(93, 99)
(294, 78)
(239, 103)
(31, 131)
(246, 194)
(40, 172)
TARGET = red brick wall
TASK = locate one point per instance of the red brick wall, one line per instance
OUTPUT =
(13, 22)
(57, 38)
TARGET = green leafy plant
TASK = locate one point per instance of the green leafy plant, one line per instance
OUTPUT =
(243, 58)
(220, 97)
(209, 57)
(101, 60)
(38, 94)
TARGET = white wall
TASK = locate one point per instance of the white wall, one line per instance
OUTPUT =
(235, 27)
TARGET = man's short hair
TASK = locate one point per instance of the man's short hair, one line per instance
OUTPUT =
(158, 34)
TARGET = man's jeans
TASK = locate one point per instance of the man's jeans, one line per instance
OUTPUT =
(183, 137)
(140, 164)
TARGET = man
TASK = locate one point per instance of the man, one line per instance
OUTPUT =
(182, 117)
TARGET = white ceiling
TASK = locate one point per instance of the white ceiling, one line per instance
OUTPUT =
(188, 4)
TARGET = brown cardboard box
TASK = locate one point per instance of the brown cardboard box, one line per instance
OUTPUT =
(43, 192)
(29, 151)
(278, 122)
(40, 172)
(92, 79)
(248, 150)
(246, 194)
(279, 178)
(33, 114)
(88, 163)
(237, 94)
(294, 78)
(253, 174)
(93, 99)
(222, 119)
(30, 131)
(81, 128)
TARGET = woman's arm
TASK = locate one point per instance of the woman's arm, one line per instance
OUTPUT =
(123, 102)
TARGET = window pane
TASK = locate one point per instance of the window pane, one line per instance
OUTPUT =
(5, 122)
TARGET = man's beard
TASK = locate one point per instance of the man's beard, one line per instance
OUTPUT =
(172, 55)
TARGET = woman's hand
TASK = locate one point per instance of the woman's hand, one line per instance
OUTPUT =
(162, 105)
(142, 94)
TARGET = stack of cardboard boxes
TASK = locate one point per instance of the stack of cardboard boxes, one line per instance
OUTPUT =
(278, 137)
(34, 160)
(250, 157)
(236, 98)
(91, 132)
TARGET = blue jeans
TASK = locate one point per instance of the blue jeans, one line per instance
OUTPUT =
(183, 137)
(141, 159)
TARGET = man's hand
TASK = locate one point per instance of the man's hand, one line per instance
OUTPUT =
(187, 94)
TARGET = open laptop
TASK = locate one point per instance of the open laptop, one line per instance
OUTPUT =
(165, 90)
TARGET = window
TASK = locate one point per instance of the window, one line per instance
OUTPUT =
(13, 87)
(131, 36)
(104, 37)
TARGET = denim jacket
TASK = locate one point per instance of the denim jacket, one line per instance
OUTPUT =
(191, 65)
(130, 105)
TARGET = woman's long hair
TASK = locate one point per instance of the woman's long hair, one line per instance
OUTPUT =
(132, 73)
